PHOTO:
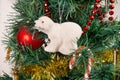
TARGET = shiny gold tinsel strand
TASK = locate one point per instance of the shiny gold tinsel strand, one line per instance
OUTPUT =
(15, 74)
(8, 53)
(108, 56)
(55, 68)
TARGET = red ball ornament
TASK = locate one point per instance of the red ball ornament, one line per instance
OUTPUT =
(94, 12)
(111, 6)
(97, 1)
(89, 23)
(26, 38)
(85, 28)
(111, 12)
(91, 17)
(111, 18)
(112, 1)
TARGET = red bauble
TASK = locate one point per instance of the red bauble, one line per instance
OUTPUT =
(112, 1)
(111, 12)
(89, 23)
(26, 38)
(93, 12)
(111, 6)
(85, 28)
(111, 18)
(91, 17)
(97, 1)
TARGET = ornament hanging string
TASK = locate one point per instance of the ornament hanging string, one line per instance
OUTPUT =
(61, 10)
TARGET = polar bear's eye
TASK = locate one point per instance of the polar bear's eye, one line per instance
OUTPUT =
(42, 21)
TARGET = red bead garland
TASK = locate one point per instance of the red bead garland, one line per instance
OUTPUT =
(111, 12)
(97, 9)
(46, 6)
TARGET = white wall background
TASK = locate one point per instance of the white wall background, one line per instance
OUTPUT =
(5, 9)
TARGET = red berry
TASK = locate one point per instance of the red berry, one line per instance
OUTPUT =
(111, 12)
(97, 1)
(85, 28)
(99, 12)
(46, 9)
(96, 6)
(111, 18)
(112, 1)
(91, 17)
(89, 23)
(100, 18)
(94, 12)
(45, 4)
(111, 6)
(48, 15)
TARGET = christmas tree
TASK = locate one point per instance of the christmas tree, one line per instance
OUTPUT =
(96, 58)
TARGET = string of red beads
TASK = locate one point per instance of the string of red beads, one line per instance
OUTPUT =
(111, 12)
(46, 6)
(97, 10)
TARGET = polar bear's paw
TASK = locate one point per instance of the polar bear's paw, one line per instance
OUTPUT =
(49, 49)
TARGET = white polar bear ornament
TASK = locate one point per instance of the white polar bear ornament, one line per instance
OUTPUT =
(63, 37)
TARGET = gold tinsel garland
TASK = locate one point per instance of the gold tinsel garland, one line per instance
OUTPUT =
(58, 66)
(54, 69)
(108, 56)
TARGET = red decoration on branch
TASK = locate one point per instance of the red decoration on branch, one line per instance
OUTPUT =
(97, 10)
(85, 28)
(46, 6)
(94, 12)
(97, 1)
(26, 38)
(111, 18)
(112, 1)
(91, 17)
(111, 6)
(111, 12)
